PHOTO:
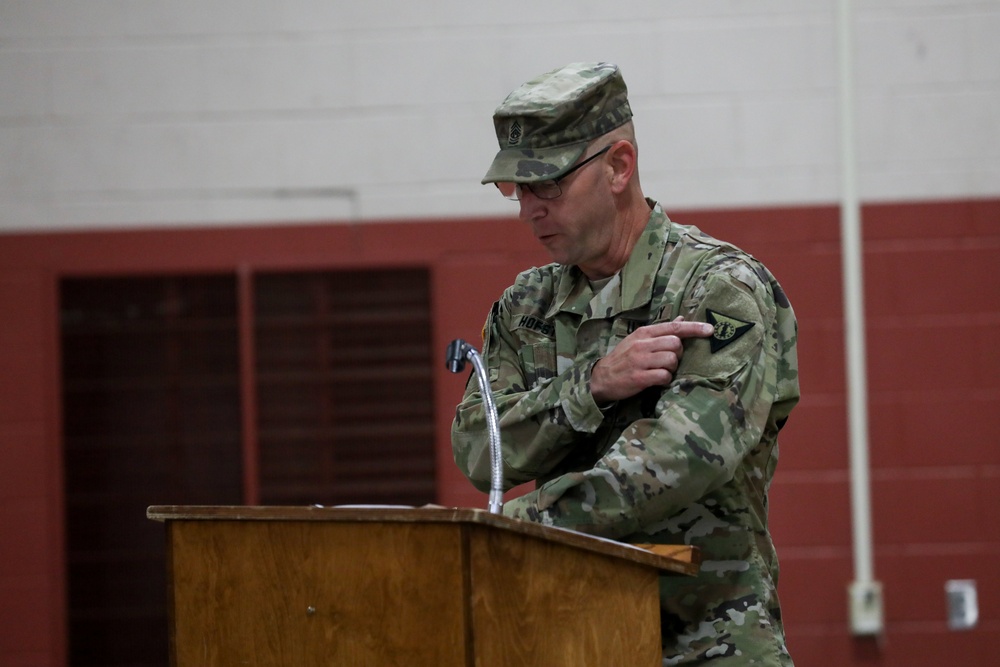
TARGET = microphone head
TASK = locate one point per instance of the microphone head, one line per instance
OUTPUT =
(455, 356)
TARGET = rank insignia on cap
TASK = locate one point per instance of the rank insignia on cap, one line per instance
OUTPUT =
(514, 136)
(727, 329)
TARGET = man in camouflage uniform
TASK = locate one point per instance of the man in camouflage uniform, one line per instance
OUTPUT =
(642, 379)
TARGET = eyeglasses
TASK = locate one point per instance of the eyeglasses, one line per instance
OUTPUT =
(544, 189)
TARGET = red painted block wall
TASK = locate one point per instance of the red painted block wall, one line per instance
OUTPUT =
(932, 312)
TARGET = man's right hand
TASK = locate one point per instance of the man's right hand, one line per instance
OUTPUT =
(647, 357)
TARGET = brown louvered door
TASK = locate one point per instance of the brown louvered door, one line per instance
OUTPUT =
(344, 387)
(151, 415)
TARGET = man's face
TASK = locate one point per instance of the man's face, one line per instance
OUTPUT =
(576, 227)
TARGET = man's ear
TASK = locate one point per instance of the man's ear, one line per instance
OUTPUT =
(623, 159)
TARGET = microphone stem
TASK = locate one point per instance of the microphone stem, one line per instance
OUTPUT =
(493, 425)
(458, 351)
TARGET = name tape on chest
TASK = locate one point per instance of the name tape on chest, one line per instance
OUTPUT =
(535, 324)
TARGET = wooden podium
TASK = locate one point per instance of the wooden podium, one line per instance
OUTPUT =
(382, 586)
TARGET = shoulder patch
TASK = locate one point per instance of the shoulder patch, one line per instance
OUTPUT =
(490, 320)
(727, 329)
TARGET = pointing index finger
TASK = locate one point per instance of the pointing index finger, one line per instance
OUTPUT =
(681, 328)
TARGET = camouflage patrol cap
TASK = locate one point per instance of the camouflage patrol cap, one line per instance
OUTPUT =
(544, 126)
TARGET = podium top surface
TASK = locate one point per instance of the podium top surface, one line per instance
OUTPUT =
(679, 559)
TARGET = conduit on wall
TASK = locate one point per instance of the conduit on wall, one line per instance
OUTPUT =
(864, 593)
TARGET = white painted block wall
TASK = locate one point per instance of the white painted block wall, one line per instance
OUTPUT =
(135, 113)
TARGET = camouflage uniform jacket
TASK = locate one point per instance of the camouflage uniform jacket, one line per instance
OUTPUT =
(689, 463)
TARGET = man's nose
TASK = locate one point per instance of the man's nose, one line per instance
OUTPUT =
(530, 204)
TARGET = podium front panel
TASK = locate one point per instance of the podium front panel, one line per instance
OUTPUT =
(307, 593)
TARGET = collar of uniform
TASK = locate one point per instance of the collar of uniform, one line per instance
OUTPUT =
(636, 276)
(570, 282)
(639, 272)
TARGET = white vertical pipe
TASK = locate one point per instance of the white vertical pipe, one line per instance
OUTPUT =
(866, 606)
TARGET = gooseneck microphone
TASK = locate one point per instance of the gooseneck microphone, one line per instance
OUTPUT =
(458, 352)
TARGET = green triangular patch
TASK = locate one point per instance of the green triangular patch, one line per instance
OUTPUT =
(727, 329)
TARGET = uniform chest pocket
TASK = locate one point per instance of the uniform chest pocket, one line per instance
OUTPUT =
(621, 328)
(538, 361)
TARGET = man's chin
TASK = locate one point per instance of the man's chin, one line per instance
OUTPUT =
(554, 248)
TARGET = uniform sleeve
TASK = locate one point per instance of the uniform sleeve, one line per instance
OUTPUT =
(703, 425)
(539, 424)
